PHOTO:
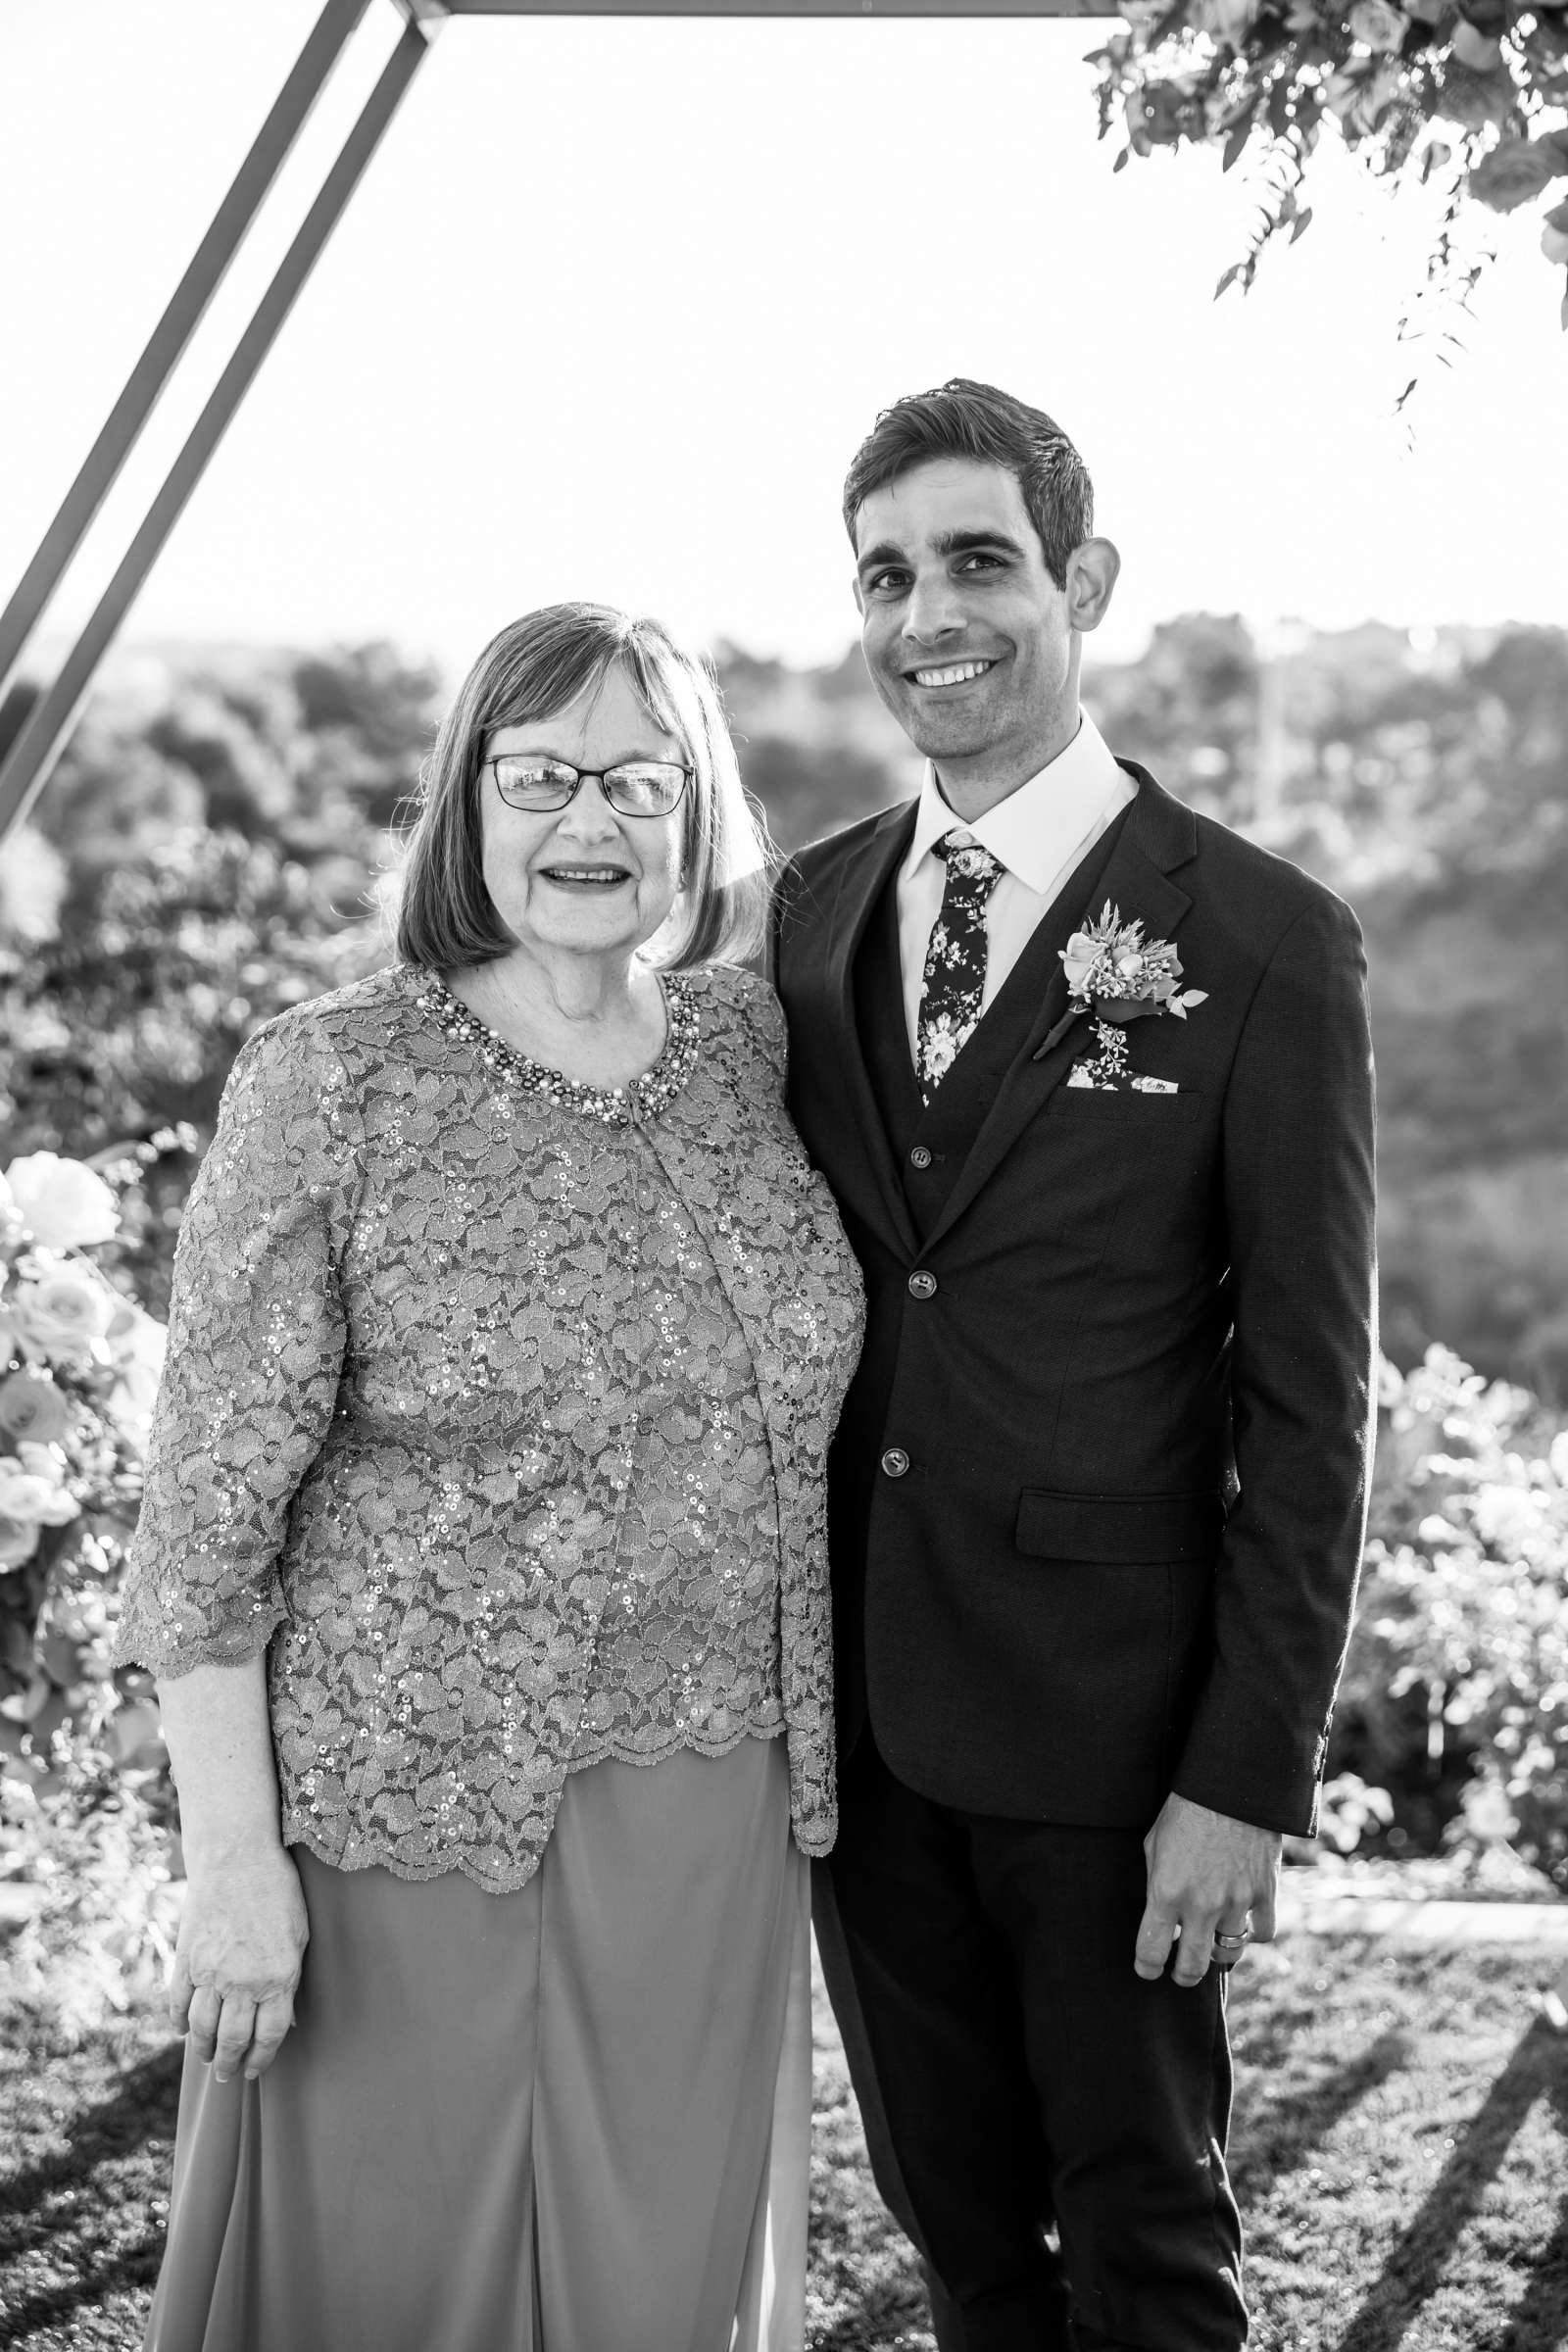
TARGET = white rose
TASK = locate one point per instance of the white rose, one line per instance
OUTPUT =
(137, 1344)
(17, 1543)
(44, 1461)
(31, 1500)
(63, 1205)
(1229, 21)
(64, 1316)
(1078, 960)
(1379, 26)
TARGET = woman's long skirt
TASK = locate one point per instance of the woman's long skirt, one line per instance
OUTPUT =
(572, 2119)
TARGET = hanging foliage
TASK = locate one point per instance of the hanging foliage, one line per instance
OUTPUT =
(1471, 100)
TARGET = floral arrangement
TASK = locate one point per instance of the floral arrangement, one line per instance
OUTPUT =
(84, 1785)
(79, 1360)
(1114, 972)
(1467, 96)
(1112, 968)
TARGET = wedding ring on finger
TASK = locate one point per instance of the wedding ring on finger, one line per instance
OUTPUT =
(1229, 1944)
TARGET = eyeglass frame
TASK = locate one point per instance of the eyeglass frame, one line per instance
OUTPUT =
(598, 775)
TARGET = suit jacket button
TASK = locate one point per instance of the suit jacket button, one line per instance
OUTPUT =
(922, 1285)
(895, 1461)
(920, 1157)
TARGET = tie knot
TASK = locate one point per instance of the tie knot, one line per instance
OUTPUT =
(966, 861)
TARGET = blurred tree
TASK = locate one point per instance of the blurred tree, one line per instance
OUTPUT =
(810, 792)
(207, 847)
(126, 1023)
(369, 719)
(1190, 706)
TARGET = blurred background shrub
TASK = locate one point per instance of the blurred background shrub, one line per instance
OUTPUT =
(209, 852)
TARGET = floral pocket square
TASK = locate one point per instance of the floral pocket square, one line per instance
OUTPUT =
(1082, 1074)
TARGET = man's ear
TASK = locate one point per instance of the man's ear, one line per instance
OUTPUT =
(854, 591)
(1092, 570)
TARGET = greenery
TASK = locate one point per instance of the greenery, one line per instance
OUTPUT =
(1397, 2148)
(1426, 779)
(209, 848)
(1470, 100)
(1396, 2151)
(210, 853)
(83, 1785)
(88, 2137)
(1454, 1702)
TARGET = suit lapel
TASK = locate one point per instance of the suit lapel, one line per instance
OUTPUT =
(1160, 836)
(864, 876)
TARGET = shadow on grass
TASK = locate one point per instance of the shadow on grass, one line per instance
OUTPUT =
(1541, 2315)
(142, 2108)
(136, 2266)
(1412, 2273)
(75, 2232)
(1281, 2136)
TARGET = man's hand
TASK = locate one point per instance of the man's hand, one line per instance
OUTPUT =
(1206, 1874)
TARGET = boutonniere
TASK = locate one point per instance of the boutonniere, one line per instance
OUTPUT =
(1117, 975)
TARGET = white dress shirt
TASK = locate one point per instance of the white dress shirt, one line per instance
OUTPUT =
(1038, 834)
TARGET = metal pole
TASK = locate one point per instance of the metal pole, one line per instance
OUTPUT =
(175, 329)
(861, 8)
(36, 750)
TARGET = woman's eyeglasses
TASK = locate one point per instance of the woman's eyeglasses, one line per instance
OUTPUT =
(637, 788)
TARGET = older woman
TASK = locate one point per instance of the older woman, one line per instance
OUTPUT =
(481, 1566)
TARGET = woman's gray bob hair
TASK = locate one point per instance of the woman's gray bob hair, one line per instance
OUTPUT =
(532, 670)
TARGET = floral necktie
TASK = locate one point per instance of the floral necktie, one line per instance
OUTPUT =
(954, 976)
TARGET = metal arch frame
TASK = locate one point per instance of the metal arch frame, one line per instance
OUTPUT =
(26, 766)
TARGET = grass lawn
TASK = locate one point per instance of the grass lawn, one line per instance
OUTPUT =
(1399, 2149)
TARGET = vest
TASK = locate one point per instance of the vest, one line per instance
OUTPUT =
(931, 1140)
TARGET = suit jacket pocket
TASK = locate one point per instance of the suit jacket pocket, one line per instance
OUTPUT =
(1134, 1107)
(1120, 1530)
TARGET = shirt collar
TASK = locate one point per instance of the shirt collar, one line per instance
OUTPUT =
(1035, 829)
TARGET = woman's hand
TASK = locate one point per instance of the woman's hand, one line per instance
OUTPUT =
(237, 1962)
(244, 1929)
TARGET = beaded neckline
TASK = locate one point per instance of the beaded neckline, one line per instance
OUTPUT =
(614, 1105)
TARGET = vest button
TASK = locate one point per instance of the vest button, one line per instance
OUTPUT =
(895, 1461)
(922, 1285)
(920, 1157)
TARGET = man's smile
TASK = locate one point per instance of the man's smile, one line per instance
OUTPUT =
(955, 673)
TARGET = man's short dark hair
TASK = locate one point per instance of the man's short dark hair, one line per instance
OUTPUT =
(961, 419)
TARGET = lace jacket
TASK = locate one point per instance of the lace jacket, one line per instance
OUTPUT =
(394, 1439)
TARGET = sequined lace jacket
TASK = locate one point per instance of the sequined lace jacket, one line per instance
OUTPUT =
(396, 1431)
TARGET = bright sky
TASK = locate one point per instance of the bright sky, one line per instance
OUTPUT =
(618, 298)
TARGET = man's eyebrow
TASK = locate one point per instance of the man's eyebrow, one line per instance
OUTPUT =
(943, 543)
(963, 542)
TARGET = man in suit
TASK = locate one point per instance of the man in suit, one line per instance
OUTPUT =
(1098, 1496)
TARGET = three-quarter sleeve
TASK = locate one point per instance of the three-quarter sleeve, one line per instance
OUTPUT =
(255, 1346)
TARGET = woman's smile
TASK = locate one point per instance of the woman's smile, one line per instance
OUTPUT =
(585, 881)
(582, 876)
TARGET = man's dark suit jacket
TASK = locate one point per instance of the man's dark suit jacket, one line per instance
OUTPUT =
(1097, 1494)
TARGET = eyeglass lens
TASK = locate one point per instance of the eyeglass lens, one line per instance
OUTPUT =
(639, 788)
